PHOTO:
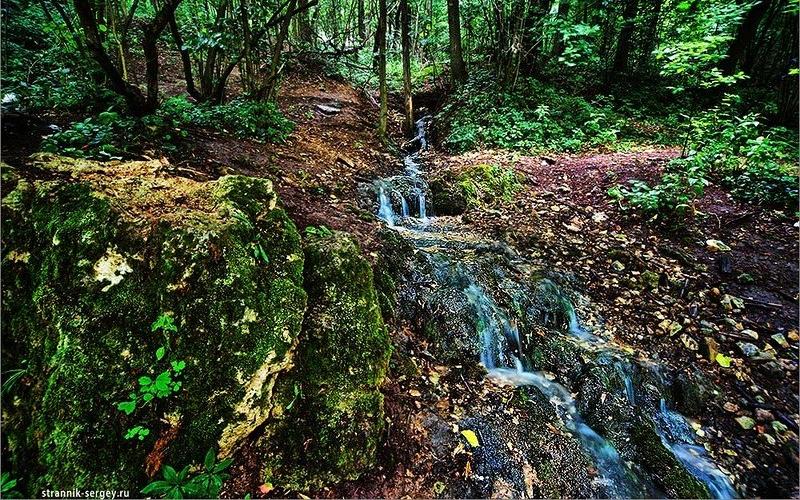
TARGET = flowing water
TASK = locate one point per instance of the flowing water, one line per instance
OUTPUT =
(456, 259)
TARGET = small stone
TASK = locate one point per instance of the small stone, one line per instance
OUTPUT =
(731, 303)
(748, 349)
(717, 246)
(763, 415)
(750, 333)
(731, 407)
(689, 342)
(746, 423)
(618, 266)
(780, 340)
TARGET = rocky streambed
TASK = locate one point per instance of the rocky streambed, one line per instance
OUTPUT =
(574, 413)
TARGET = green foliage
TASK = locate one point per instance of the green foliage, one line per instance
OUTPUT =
(757, 164)
(110, 135)
(532, 118)
(159, 387)
(321, 231)
(489, 184)
(8, 487)
(247, 118)
(205, 483)
(43, 68)
(691, 56)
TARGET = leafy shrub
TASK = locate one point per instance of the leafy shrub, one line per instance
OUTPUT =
(206, 483)
(256, 119)
(488, 185)
(103, 137)
(110, 135)
(533, 117)
(758, 165)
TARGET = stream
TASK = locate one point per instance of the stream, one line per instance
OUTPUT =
(483, 301)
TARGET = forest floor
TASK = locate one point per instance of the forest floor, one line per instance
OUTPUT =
(672, 293)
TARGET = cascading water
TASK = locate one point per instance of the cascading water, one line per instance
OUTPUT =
(446, 244)
(676, 434)
(385, 211)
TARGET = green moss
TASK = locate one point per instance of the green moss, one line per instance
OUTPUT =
(342, 360)
(662, 465)
(84, 275)
(488, 185)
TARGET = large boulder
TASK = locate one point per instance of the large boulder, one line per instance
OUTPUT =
(94, 254)
(336, 417)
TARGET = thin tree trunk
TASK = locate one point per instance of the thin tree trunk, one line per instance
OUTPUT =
(362, 29)
(625, 35)
(458, 72)
(381, 39)
(405, 41)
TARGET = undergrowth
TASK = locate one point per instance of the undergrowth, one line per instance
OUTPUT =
(111, 135)
(536, 117)
(757, 164)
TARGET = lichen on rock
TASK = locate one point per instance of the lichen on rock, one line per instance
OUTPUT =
(333, 408)
(107, 249)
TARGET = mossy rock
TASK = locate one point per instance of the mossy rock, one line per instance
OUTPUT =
(336, 419)
(447, 196)
(90, 260)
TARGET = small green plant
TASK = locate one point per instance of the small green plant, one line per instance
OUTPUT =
(8, 487)
(205, 483)
(322, 231)
(489, 184)
(159, 387)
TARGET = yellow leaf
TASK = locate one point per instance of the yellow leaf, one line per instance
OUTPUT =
(472, 439)
(723, 360)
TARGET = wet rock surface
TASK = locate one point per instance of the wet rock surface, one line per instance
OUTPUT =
(558, 409)
(94, 254)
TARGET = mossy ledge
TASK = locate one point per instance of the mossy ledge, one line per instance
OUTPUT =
(94, 252)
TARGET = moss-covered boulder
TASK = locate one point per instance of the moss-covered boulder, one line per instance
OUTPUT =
(336, 417)
(94, 254)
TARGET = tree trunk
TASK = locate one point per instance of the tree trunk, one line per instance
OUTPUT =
(558, 41)
(405, 41)
(381, 40)
(625, 35)
(458, 72)
(745, 34)
(134, 99)
(362, 29)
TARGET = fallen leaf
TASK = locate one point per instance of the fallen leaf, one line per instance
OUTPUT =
(746, 423)
(265, 488)
(471, 438)
(723, 360)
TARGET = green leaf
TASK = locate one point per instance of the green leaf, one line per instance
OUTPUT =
(471, 438)
(156, 487)
(723, 360)
(145, 381)
(210, 458)
(127, 406)
(160, 353)
(178, 365)
(170, 474)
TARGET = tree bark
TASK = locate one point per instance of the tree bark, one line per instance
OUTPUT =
(458, 72)
(134, 98)
(381, 41)
(745, 34)
(405, 25)
(625, 35)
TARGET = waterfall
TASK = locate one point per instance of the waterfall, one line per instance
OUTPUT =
(676, 434)
(385, 211)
